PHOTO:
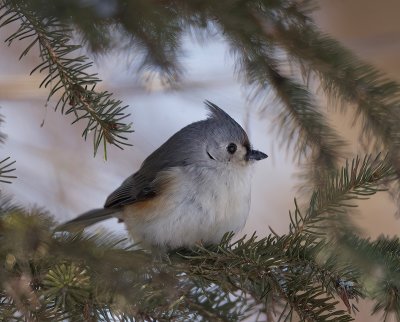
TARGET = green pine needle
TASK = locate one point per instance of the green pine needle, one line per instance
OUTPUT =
(67, 75)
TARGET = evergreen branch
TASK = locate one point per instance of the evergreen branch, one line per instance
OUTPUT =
(5, 167)
(345, 77)
(103, 115)
(357, 180)
(378, 262)
(301, 122)
(375, 98)
(5, 170)
(158, 33)
(80, 277)
(155, 32)
(273, 268)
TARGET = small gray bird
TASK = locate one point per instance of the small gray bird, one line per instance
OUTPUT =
(193, 188)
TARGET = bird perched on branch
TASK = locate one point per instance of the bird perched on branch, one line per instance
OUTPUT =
(195, 187)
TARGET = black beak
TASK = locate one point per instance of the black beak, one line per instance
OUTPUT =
(256, 155)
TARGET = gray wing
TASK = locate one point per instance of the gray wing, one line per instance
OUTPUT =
(147, 182)
(135, 188)
(178, 151)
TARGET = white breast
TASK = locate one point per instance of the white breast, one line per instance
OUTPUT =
(201, 204)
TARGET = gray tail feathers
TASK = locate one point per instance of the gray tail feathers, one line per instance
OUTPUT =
(87, 219)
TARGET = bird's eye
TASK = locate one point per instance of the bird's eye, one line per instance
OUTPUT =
(231, 148)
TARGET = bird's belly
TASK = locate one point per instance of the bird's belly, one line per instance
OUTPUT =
(201, 211)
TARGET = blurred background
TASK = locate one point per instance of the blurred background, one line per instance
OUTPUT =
(56, 168)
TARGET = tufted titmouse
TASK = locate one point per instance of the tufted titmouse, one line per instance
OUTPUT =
(195, 187)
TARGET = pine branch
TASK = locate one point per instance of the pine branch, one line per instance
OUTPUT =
(348, 79)
(79, 277)
(301, 124)
(153, 31)
(379, 262)
(357, 180)
(5, 166)
(5, 170)
(275, 268)
(66, 74)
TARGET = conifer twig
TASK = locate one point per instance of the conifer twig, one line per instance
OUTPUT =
(357, 180)
(5, 170)
(68, 75)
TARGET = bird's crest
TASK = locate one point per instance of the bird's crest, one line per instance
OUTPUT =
(219, 115)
